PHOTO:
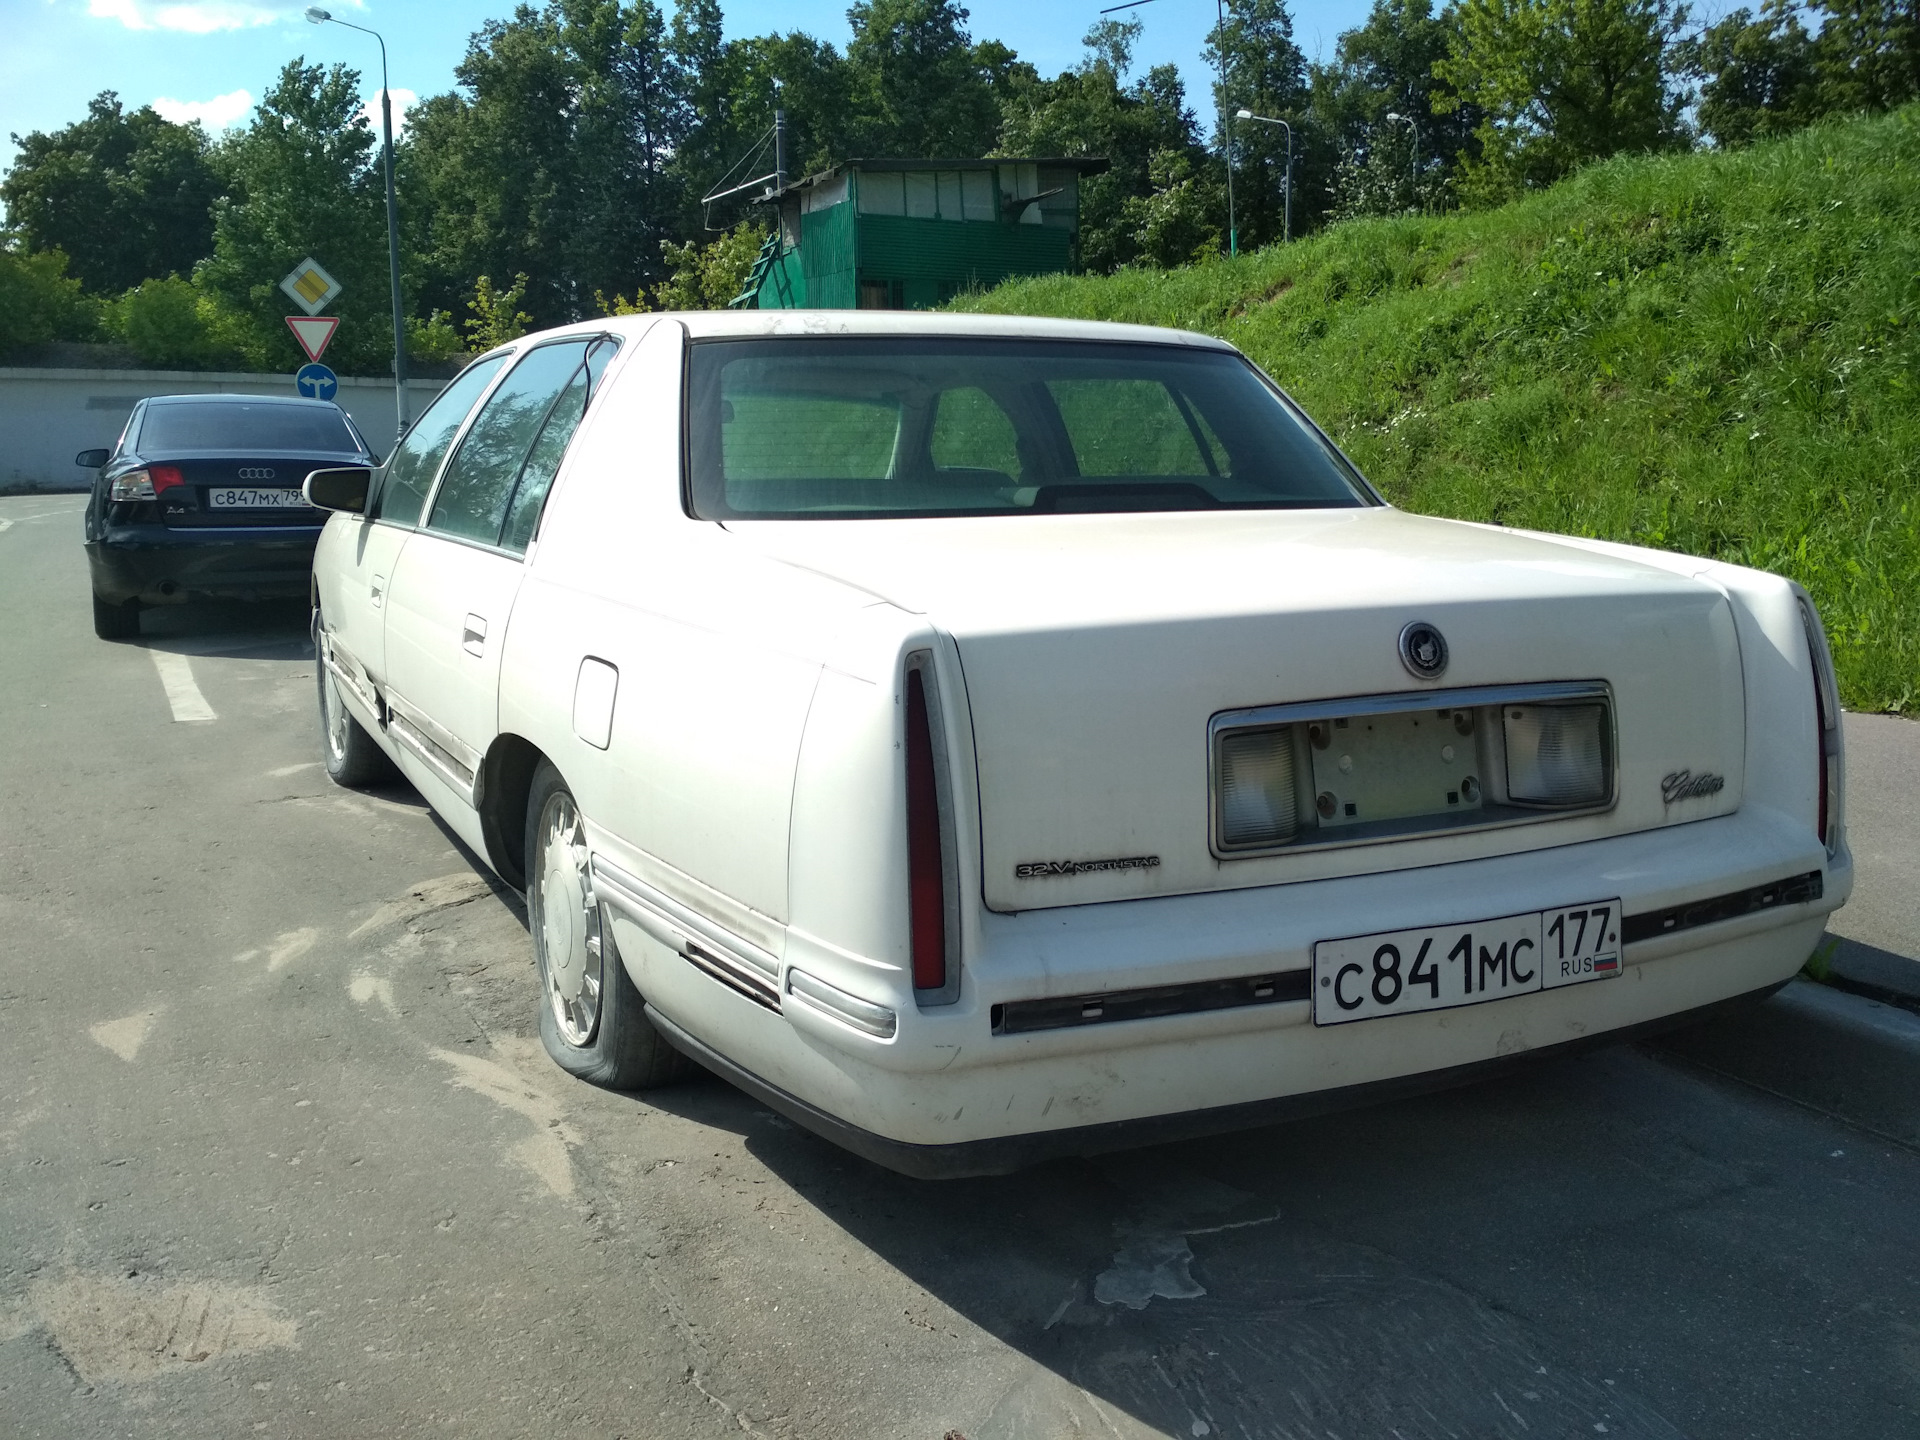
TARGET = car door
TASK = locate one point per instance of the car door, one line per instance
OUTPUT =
(358, 558)
(454, 585)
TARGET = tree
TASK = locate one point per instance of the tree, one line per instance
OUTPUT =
(1382, 68)
(38, 302)
(1091, 111)
(305, 169)
(1757, 74)
(918, 83)
(1867, 54)
(1562, 83)
(1262, 70)
(126, 195)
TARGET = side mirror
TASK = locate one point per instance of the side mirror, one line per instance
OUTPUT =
(91, 459)
(344, 488)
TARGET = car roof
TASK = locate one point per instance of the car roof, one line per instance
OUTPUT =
(727, 324)
(228, 398)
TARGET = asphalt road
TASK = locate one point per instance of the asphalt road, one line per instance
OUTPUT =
(280, 1155)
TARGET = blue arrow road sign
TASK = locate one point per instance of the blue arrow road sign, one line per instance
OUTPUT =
(316, 382)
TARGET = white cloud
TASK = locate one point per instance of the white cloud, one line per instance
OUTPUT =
(216, 114)
(402, 98)
(199, 17)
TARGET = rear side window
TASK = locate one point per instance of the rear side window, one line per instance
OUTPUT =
(228, 425)
(416, 459)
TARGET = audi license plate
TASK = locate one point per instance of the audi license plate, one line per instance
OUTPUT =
(1450, 965)
(238, 497)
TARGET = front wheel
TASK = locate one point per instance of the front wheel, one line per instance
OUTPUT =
(354, 758)
(591, 1019)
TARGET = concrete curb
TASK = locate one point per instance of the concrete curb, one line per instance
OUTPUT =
(1840, 1054)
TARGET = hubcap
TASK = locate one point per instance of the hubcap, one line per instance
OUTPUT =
(568, 922)
(335, 716)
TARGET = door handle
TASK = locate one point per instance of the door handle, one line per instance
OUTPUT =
(377, 589)
(473, 639)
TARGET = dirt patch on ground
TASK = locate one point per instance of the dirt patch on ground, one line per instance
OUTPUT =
(135, 1327)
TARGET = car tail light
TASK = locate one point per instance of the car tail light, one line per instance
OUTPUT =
(1557, 755)
(926, 850)
(147, 484)
(1826, 704)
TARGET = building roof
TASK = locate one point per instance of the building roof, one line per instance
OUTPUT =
(1084, 164)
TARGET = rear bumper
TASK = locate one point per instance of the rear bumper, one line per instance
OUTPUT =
(158, 566)
(946, 1079)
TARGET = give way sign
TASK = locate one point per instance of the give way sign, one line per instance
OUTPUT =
(314, 332)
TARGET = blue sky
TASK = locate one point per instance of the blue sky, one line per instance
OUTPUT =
(213, 58)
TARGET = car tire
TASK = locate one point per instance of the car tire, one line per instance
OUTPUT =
(353, 758)
(116, 622)
(592, 1021)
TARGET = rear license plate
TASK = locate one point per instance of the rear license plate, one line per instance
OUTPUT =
(1444, 966)
(236, 497)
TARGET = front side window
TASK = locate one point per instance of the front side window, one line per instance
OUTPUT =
(416, 459)
(870, 428)
(472, 500)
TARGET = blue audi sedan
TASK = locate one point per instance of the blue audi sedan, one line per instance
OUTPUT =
(201, 499)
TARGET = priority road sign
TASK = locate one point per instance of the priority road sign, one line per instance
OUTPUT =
(316, 382)
(310, 287)
(314, 332)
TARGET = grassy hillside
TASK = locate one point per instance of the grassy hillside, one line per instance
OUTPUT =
(1712, 353)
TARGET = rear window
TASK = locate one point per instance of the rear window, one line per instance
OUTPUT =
(228, 426)
(853, 428)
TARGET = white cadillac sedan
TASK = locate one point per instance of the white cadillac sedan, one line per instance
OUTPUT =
(989, 738)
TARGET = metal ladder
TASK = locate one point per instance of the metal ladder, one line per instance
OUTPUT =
(749, 296)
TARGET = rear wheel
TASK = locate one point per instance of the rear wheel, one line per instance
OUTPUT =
(591, 1020)
(116, 622)
(353, 758)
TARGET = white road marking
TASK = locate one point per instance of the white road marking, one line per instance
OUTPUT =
(286, 770)
(6, 525)
(176, 678)
(125, 1036)
(291, 946)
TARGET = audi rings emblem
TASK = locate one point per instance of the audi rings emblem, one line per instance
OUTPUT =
(261, 473)
(1423, 650)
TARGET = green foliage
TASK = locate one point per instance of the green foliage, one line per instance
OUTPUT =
(38, 302)
(434, 339)
(1715, 354)
(1385, 67)
(919, 85)
(1561, 83)
(707, 277)
(1757, 75)
(1180, 222)
(127, 196)
(305, 183)
(497, 317)
(175, 325)
(1265, 72)
(1091, 110)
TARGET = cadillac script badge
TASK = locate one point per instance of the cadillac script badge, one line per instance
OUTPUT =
(1685, 785)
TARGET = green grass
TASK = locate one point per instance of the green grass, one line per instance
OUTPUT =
(1714, 353)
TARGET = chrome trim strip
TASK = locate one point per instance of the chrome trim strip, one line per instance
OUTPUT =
(734, 962)
(862, 1015)
(432, 756)
(456, 751)
(346, 678)
(1399, 703)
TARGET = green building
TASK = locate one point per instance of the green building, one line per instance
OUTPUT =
(909, 234)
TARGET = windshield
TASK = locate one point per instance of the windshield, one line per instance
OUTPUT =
(859, 428)
(230, 426)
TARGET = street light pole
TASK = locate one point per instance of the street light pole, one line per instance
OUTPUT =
(1226, 124)
(1287, 189)
(322, 17)
(1407, 120)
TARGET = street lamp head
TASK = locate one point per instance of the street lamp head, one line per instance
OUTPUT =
(317, 15)
(1243, 114)
(1391, 115)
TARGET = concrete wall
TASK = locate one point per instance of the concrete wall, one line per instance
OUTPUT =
(49, 416)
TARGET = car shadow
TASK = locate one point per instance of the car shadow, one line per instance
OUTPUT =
(238, 629)
(1486, 1260)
